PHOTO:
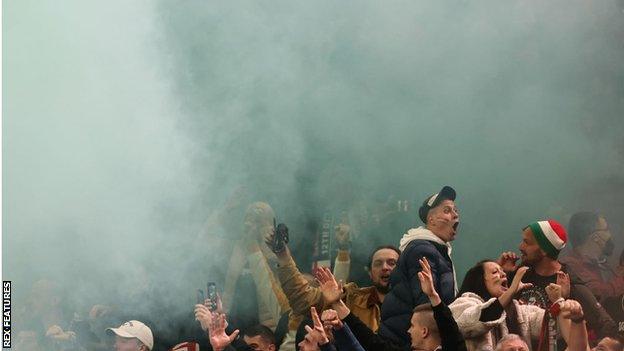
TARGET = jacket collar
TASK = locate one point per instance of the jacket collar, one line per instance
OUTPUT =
(422, 233)
(373, 298)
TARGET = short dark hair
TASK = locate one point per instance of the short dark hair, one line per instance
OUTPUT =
(423, 307)
(474, 282)
(263, 331)
(425, 317)
(581, 225)
(370, 258)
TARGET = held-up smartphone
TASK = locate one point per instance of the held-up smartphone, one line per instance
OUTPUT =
(200, 296)
(211, 294)
(280, 239)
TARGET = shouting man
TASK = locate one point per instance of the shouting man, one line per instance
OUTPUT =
(432, 242)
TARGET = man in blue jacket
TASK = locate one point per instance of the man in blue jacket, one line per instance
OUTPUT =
(432, 241)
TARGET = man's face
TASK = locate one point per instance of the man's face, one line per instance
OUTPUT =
(602, 237)
(127, 344)
(514, 345)
(443, 220)
(258, 343)
(417, 333)
(531, 253)
(384, 261)
(607, 344)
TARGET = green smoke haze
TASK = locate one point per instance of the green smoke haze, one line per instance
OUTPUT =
(125, 124)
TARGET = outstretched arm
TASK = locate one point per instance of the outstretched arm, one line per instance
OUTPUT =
(572, 312)
(450, 335)
(342, 264)
(301, 295)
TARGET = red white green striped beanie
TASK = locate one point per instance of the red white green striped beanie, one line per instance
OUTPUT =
(550, 235)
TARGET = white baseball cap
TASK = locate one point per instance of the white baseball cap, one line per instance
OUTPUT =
(135, 329)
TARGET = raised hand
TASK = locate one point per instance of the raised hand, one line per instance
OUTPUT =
(330, 289)
(317, 334)
(268, 235)
(571, 309)
(426, 282)
(98, 311)
(572, 326)
(216, 332)
(554, 292)
(563, 280)
(331, 320)
(203, 316)
(342, 236)
(56, 333)
(507, 261)
(517, 284)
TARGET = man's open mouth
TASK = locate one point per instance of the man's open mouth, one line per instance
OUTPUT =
(455, 226)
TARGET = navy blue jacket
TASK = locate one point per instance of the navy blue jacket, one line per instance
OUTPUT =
(406, 293)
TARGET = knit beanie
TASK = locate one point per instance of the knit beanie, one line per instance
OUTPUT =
(550, 235)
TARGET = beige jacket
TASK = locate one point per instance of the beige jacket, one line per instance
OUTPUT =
(363, 302)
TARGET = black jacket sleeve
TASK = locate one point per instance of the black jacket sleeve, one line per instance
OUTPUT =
(345, 340)
(452, 339)
(328, 347)
(369, 340)
(492, 312)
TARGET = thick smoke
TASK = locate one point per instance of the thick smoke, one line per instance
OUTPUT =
(518, 105)
(126, 124)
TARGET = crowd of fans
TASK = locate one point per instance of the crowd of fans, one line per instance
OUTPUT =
(533, 301)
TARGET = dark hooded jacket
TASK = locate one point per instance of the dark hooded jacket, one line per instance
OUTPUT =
(406, 293)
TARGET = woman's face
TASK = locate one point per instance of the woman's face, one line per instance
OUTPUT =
(495, 279)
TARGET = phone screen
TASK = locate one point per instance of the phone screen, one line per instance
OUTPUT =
(211, 291)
